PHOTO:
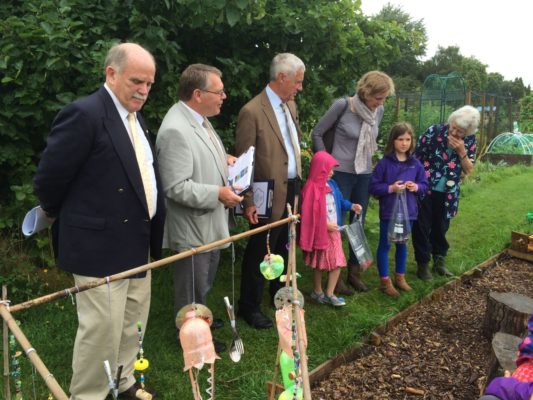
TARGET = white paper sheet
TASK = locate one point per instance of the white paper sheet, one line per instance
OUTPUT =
(35, 221)
(241, 173)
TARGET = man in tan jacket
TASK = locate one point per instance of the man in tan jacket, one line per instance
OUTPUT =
(270, 123)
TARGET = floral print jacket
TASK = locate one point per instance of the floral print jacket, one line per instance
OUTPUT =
(442, 164)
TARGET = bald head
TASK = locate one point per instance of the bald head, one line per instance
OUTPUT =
(130, 73)
(118, 55)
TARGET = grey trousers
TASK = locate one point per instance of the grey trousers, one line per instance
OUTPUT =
(193, 278)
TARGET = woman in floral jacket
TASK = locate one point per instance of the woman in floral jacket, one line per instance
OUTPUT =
(446, 151)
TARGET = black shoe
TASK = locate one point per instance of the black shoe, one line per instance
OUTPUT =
(131, 393)
(217, 323)
(257, 319)
(219, 346)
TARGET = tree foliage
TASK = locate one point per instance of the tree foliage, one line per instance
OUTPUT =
(52, 52)
(526, 115)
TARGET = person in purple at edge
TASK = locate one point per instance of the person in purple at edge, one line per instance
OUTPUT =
(397, 171)
(446, 151)
(519, 384)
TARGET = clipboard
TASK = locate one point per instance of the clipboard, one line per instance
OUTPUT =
(263, 197)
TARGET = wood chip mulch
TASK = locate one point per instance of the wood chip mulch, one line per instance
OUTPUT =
(438, 351)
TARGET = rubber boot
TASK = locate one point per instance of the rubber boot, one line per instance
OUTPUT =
(422, 271)
(354, 278)
(387, 288)
(343, 288)
(439, 266)
(402, 284)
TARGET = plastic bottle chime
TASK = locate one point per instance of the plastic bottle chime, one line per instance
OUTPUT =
(273, 264)
(15, 364)
(141, 364)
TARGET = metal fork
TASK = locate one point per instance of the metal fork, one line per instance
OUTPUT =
(237, 346)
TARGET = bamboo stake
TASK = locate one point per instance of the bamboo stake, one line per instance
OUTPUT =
(212, 394)
(288, 278)
(31, 353)
(146, 267)
(272, 394)
(299, 324)
(7, 389)
(194, 385)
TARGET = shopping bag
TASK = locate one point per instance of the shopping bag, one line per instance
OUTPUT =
(357, 239)
(399, 224)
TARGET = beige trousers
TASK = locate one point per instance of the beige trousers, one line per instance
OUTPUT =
(107, 330)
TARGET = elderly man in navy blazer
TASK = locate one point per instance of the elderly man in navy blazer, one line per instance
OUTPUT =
(98, 181)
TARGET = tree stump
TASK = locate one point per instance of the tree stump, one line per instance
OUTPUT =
(508, 313)
(503, 355)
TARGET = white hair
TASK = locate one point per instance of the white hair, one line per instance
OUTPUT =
(467, 118)
(286, 63)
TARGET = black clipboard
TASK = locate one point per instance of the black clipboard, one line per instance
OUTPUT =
(263, 197)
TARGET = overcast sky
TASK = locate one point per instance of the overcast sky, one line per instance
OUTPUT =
(497, 33)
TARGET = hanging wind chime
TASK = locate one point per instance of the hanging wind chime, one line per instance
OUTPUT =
(193, 322)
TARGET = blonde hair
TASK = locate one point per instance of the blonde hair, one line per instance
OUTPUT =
(374, 83)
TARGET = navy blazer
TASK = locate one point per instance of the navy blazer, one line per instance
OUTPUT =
(89, 178)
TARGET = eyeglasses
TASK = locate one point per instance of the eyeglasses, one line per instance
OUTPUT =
(220, 93)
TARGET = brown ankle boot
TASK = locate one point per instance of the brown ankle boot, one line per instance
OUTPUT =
(342, 288)
(354, 278)
(402, 284)
(388, 288)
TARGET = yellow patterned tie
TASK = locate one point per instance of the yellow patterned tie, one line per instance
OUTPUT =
(294, 139)
(144, 164)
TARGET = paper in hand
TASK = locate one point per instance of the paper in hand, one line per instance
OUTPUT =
(35, 221)
(241, 172)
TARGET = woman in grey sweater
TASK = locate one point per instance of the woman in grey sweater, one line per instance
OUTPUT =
(356, 120)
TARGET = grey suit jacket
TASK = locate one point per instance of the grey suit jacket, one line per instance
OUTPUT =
(192, 173)
(257, 125)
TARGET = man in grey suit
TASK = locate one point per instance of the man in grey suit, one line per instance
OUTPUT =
(193, 166)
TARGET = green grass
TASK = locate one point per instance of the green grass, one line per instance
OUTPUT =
(494, 201)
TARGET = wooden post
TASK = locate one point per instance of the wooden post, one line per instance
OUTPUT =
(5, 347)
(31, 353)
(397, 108)
(482, 119)
(490, 131)
(468, 97)
(299, 322)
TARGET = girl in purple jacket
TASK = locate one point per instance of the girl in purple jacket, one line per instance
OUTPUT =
(397, 171)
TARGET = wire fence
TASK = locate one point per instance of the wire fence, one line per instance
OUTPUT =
(497, 113)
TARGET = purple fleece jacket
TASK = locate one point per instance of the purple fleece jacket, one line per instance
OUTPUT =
(389, 170)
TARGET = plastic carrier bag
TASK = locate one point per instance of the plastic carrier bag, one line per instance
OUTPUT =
(399, 224)
(358, 243)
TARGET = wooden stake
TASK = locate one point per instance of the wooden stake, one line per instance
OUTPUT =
(299, 322)
(7, 388)
(31, 353)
